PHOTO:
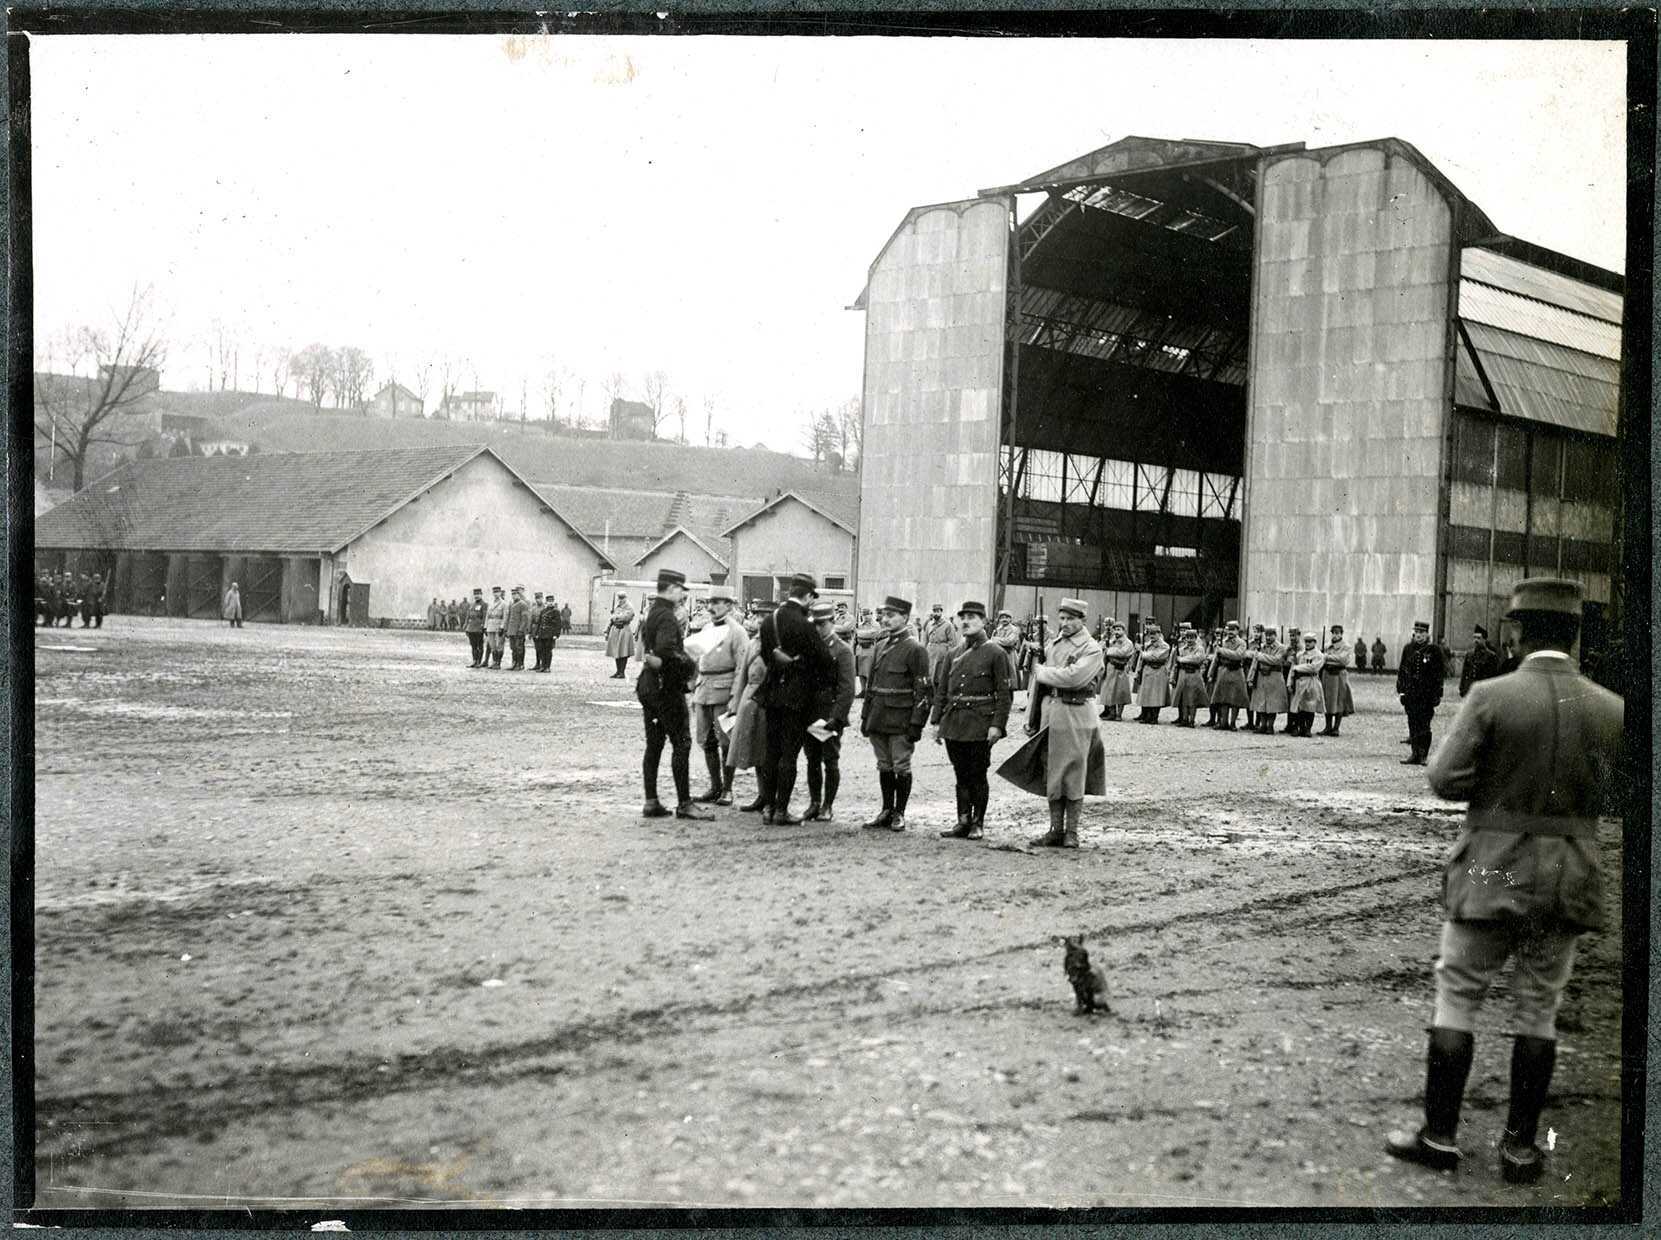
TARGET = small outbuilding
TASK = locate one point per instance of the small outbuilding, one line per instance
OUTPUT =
(789, 534)
(319, 536)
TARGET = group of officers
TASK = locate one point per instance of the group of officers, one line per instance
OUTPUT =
(61, 596)
(1535, 752)
(501, 626)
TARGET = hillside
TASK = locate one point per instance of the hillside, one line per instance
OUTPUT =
(546, 458)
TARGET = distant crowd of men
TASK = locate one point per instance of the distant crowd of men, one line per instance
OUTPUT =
(502, 625)
(60, 597)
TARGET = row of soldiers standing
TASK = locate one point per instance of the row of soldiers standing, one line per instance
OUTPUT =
(503, 624)
(60, 596)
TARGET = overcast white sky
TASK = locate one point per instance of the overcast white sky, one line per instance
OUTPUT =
(707, 206)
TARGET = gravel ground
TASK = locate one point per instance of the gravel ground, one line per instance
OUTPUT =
(325, 916)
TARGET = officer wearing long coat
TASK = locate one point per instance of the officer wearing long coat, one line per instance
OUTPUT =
(896, 708)
(1307, 698)
(620, 636)
(1153, 684)
(1536, 753)
(1006, 635)
(1070, 668)
(940, 638)
(799, 666)
(1335, 681)
(1419, 678)
(745, 750)
(1229, 694)
(972, 697)
(1294, 645)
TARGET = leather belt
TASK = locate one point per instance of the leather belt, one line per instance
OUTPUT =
(1532, 824)
(894, 692)
(964, 698)
(1075, 697)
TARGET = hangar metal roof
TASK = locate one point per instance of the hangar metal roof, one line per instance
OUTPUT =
(1538, 344)
(283, 502)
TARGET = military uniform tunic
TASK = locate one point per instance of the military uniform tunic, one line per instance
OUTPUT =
(1115, 678)
(1335, 680)
(1155, 688)
(1230, 689)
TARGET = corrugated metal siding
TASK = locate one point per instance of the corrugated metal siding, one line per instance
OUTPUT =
(1467, 384)
(1483, 303)
(1548, 383)
(1540, 284)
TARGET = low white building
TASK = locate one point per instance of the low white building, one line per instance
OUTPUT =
(789, 534)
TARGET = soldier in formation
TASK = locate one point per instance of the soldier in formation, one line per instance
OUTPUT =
(495, 628)
(1228, 689)
(472, 624)
(1190, 692)
(1269, 695)
(972, 697)
(1335, 682)
(1152, 674)
(1117, 655)
(1307, 698)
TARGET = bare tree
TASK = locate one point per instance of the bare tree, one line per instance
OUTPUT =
(709, 421)
(423, 379)
(352, 374)
(680, 413)
(451, 370)
(76, 413)
(276, 363)
(654, 386)
(850, 431)
(313, 370)
(554, 378)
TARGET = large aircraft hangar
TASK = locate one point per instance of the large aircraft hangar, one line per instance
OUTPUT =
(1194, 380)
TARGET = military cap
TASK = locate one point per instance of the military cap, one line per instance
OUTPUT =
(1479, 630)
(518, 589)
(1337, 628)
(822, 611)
(765, 606)
(804, 581)
(1074, 605)
(973, 609)
(670, 577)
(496, 590)
(891, 603)
(478, 589)
(1545, 594)
(538, 593)
(1231, 624)
(722, 594)
(1421, 626)
(1005, 612)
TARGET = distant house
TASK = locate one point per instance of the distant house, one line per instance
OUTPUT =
(789, 534)
(394, 400)
(683, 550)
(318, 536)
(471, 407)
(632, 419)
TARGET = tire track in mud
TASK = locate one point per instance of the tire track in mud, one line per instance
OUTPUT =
(200, 1109)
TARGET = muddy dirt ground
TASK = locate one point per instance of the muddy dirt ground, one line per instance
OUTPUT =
(325, 916)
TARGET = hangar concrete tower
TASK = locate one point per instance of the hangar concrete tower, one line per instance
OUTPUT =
(1198, 380)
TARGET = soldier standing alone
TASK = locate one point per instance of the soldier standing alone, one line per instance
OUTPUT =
(620, 635)
(971, 713)
(1536, 753)
(1070, 667)
(1419, 685)
(896, 707)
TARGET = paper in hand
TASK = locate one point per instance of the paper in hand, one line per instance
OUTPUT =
(818, 731)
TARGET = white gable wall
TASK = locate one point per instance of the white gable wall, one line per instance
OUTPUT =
(481, 527)
(791, 538)
(680, 553)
